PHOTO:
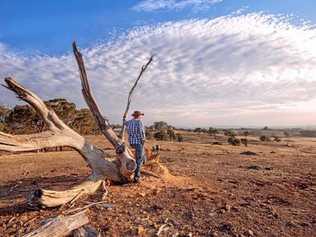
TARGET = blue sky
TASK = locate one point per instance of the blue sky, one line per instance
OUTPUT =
(217, 62)
(49, 26)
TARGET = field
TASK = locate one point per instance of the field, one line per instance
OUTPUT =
(211, 190)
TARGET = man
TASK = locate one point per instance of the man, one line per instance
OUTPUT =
(136, 138)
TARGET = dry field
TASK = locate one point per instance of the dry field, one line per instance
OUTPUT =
(212, 190)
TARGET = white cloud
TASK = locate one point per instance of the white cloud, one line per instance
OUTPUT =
(153, 5)
(244, 70)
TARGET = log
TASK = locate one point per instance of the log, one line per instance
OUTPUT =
(61, 225)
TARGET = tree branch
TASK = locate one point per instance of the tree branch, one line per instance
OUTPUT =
(103, 123)
(143, 69)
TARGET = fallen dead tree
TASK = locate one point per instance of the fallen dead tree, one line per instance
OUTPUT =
(59, 134)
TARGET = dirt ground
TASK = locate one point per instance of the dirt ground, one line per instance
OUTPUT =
(212, 190)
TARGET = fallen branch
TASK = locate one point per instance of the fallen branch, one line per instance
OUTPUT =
(61, 225)
(86, 231)
(88, 206)
(162, 228)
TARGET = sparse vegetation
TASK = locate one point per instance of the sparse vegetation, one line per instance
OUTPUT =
(200, 130)
(234, 141)
(22, 119)
(212, 131)
(265, 138)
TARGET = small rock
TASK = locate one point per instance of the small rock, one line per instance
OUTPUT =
(250, 232)
(226, 227)
(228, 207)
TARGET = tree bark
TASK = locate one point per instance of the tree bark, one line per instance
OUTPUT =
(61, 225)
(86, 231)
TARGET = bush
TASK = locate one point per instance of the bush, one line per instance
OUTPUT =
(244, 141)
(162, 135)
(148, 134)
(276, 139)
(212, 131)
(230, 133)
(160, 125)
(233, 141)
(264, 138)
(179, 138)
(171, 134)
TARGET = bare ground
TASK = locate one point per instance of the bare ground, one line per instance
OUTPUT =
(212, 190)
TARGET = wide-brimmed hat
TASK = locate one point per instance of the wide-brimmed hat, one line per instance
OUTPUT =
(137, 113)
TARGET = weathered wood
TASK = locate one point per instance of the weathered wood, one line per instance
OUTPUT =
(61, 226)
(59, 134)
(127, 163)
(86, 231)
(129, 98)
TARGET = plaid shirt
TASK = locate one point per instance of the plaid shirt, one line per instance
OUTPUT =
(136, 131)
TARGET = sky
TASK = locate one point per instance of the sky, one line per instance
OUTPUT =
(216, 62)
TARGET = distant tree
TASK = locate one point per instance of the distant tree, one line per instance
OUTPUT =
(171, 134)
(212, 131)
(245, 140)
(233, 141)
(266, 128)
(287, 134)
(197, 130)
(162, 135)
(160, 125)
(179, 138)
(230, 133)
(148, 133)
(264, 138)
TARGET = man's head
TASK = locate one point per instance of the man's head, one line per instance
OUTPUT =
(137, 114)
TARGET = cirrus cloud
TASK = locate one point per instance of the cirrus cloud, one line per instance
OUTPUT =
(153, 5)
(243, 70)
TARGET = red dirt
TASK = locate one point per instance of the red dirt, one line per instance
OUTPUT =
(212, 190)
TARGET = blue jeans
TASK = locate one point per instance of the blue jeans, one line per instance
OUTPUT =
(140, 158)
